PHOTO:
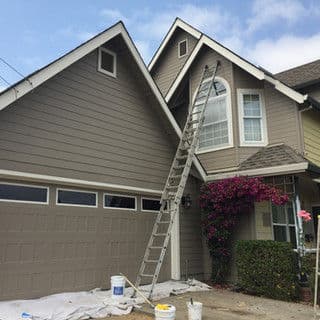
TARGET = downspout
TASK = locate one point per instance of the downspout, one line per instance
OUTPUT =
(298, 222)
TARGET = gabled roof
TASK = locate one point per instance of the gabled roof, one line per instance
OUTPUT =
(38, 77)
(257, 72)
(301, 76)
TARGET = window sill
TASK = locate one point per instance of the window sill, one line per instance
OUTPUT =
(214, 149)
(254, 144)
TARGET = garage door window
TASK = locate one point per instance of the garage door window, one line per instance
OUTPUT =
(148, 204)
(76, 198)
(23, 193)
(118, 201)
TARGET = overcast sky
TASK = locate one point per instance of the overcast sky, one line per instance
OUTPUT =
(276, 34)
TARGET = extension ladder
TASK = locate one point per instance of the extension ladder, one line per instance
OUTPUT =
(176, 182)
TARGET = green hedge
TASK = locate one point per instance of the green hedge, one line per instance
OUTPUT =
(267, 268)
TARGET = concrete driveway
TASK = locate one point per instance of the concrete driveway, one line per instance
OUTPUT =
(228, 305)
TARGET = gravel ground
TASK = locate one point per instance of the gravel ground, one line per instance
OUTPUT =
(228, 305)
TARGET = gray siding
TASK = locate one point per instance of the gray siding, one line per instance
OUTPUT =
(169, 64)
(86, 125)
(191, 248)
(48, 248)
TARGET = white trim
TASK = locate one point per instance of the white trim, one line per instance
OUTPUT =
(187, 49)
(74, 204)
(120, 195)
(111, 53)
(250, 68)
(29, 186)
(147, 198)
(178, 23)
(264, 131)
(283, 169)
(74, 182)
(175, 247)
(229, 119)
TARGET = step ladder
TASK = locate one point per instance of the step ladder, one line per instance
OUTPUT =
(175, 184)
(317, 274)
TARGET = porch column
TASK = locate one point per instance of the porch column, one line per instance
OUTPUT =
(175, 247)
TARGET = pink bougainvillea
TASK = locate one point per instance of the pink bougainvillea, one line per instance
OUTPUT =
(222, 202)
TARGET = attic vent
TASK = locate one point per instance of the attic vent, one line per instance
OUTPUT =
(182, 48)
(107, 62)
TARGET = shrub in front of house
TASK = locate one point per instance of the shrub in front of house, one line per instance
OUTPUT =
(267, 268)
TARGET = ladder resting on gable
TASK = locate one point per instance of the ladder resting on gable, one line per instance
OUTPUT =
(176, 182)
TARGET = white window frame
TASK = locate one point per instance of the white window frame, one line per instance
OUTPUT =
(100, 69)
(26, 185)
(121, 195)
(147, 198)
(264, 133)
(76, 205)
(186, 41)
(229, 118)
(287, 225)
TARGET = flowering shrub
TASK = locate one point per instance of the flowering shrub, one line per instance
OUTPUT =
(222, 202)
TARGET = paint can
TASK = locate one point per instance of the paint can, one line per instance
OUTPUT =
(117, 286)
(165, 312)
(194, 310)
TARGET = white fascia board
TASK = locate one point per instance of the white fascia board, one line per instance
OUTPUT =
(283, 169)
(178, 23)
(184, 70)
(26, 176)
(293, 94)
(54, 68)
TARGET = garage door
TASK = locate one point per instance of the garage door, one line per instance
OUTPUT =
(56, 239)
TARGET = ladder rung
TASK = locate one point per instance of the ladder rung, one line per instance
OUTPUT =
(178, 167)
(160, 234)
(176, 176)
(182, 157)
(193, 122)
(151, 261)
(164, 222)
(147, 275)
(172, 187)
(155, 247)
(197, 112)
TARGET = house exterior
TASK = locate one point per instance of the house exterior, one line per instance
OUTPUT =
(87, 142)
(257, 124)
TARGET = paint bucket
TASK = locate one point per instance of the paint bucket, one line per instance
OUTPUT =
(117, 286)
(165, 312)
(194, 311)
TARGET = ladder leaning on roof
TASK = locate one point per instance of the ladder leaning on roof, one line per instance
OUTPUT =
(176, 182)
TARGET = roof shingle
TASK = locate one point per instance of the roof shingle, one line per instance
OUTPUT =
(271, 157)
(298, 76)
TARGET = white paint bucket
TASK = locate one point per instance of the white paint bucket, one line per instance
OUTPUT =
(117, 286)
(194, 311)
(169, 314)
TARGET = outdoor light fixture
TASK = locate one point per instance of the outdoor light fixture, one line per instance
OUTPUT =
(186, 201)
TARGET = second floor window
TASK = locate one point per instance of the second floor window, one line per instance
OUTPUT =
(252, 122)
(216, 131)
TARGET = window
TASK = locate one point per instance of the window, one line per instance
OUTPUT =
(148, 204)
(283, 220)
(107, 62)
(11, 192)
(118, 201)
(76, 198)
(216, 132)
(182, 48)
(252, 118)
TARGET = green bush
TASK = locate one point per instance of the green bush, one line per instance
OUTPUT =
(267, 268)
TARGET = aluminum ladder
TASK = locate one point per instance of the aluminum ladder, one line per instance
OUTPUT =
(176, 182)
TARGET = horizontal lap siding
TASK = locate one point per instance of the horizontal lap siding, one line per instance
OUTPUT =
(85, 125)
(191, 254)
(47, 248)
(311, 131)
(169, 64)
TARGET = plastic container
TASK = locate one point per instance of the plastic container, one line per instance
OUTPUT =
(117, 286)
(162, 314)
(194, 310)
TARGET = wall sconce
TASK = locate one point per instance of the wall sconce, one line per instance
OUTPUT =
(186, 201)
